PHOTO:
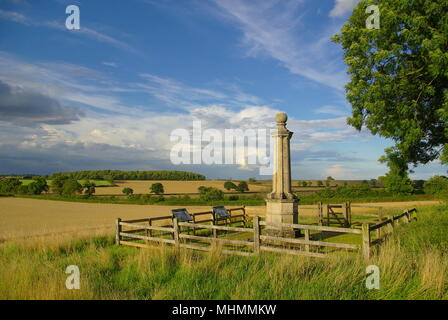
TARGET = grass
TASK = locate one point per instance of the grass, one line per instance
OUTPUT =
(413, 265)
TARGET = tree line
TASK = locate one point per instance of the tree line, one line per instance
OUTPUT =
(111, 175)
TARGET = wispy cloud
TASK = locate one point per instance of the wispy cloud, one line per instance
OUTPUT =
(67, 82)
(343, 7)
(109, 64)
(84, 31)
(331, 110)
(176, 94)
(272, 27)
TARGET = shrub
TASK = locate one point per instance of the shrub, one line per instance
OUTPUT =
(210, 194)
(229, 185)
(38, 185)
(10, 185)
(234, 198)
(347, 192)
(89, 188)
(71, 187)
(397, 183)
(57, 184)
(144, 197)
(242, 187)
(128, 191)
(22, 189)
(157, 188)
(436, 185)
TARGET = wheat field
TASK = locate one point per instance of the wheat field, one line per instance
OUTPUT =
(142, 186)
(32, 217)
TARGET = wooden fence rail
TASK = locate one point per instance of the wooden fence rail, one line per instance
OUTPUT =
(258, 242)
(389, 223)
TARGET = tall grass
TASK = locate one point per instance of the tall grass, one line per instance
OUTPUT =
(413, 265)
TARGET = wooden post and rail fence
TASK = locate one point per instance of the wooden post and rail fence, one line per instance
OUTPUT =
(254, 240)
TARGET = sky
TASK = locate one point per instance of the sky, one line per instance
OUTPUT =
(109, 95)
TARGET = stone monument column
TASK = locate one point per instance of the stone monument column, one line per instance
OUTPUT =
(281, 203)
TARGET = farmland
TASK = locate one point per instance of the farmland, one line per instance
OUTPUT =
(170, 187)
(187, 187)
(31, 217)
(413, 265)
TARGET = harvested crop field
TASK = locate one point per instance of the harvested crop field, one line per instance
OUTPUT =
(32, 217)
(142, 186)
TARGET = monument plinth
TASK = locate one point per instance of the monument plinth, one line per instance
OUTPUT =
(281, 203)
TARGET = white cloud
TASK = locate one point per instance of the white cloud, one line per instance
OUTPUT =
(338, 171)
(331, 110)
(343, 7)
(14, 16)
(109, 64)
(273, 28)
(179, 95)
(85, 31)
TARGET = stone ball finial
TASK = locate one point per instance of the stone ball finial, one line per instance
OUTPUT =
(281, 117)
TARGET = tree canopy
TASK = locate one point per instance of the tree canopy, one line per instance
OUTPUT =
(399, 77)
(38, 185)
(110, 175)
(436, 185)
(242, 186)
(157, 188)
(229, 185)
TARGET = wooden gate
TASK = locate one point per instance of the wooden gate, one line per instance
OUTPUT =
(339, 214)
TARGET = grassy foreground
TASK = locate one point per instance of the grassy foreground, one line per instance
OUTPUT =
(413, 265)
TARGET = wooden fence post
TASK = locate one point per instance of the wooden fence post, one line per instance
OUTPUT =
(117, 232)
(194, 221)
(244, 216)
(150, 224)
(307, 238)
(366, 240)
(345, 211)
(176, 232)
(256, 226)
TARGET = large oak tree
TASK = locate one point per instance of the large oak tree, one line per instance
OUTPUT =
(399, 77)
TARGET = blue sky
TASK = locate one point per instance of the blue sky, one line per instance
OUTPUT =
(108, 96)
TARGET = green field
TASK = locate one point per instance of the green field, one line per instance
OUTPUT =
(413, 264)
